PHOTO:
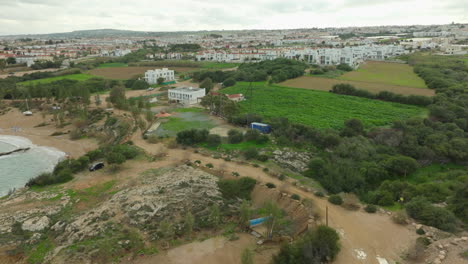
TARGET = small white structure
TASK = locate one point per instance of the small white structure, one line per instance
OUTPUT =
(152, 76)
(186, 95)
(27, 113)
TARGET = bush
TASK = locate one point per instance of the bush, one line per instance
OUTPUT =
(239, 188)
(192, 136)
(335, 199)
(282, 177)
(270, 185)
(266, 170)
(295, 197)
(213, 140)
(319, 194)
(370, 208)
(229, 82)
(235, 136)
(251, 135)
(250, 153)
(344, 67)
(317, 246)
(422, 210)
(209, 165)
(400, 218)
(420, 231)
(262, 158)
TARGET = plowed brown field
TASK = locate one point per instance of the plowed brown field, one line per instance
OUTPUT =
(326, 84)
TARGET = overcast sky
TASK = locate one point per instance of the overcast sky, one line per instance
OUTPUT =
(49, 16)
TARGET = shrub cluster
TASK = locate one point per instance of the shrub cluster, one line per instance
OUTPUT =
(239, 188)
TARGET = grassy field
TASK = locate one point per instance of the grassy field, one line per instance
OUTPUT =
(186, 118)
(124, 73)
(385, 73)
(218, 65)
(112, 65)
(326, 84)
(320, 109)
(77, 77)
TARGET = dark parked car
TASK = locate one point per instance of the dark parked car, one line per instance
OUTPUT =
(96, 166)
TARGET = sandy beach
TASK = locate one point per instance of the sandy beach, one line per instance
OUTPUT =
(16, 124)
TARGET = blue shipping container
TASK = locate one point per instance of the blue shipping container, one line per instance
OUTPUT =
(264, 128)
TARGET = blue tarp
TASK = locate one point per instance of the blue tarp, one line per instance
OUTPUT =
(258, 221)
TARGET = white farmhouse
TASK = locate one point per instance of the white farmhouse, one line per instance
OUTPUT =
(186, 95)
(152, 76)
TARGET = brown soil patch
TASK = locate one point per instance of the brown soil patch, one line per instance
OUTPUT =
(123, 73)
(326, 84)
(211, 251)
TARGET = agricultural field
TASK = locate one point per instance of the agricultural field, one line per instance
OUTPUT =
(326, 84)
(77, 77)
(218, 65)
(112, 65)
(320, 109)
(385, 73)
(124, 73)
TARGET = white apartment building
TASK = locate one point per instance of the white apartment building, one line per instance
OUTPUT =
(152, 76)
(186, 95)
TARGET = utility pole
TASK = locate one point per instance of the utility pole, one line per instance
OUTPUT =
(327, 215)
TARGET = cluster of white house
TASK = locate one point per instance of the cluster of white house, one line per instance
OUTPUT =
(152, 76)
(322, 56)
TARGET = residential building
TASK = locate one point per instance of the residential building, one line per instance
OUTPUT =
(152, 76)
(186, 95)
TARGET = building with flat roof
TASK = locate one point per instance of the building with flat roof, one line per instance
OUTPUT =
(152, 76)
(186, 95)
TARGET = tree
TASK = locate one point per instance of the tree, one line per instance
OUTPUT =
(207, 83)
(160, 80)
(400, 165)
(317, 246)
(188, 224)
(140, 85)
(245, 214)
(167, 229)
(115, 159)
(247, 256)
(213, 140)
(11, 60)
(215, 216)
(353, 127)
(117, 97)
(458, 204)
(235, 136)
(2, 64)
(229, 82)
(274, 216)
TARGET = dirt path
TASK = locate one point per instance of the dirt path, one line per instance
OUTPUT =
(364, 237)
(211, 251)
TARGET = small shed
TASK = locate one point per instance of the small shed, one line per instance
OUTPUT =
(263, 128)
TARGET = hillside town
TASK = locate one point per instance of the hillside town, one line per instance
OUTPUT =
(328, 46)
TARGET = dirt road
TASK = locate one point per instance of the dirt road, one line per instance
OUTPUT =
(18, 74)
(364, 237)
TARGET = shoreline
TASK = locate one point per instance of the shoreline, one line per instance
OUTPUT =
(15, 124)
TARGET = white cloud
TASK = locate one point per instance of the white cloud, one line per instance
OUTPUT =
(46, 16)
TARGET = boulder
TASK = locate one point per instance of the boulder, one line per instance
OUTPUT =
(36, 224)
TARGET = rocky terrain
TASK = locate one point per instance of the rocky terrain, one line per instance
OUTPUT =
(293, 160)
(131, 212)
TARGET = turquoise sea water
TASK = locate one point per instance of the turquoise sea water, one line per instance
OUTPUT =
(16, 169)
